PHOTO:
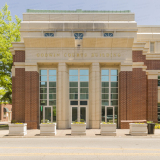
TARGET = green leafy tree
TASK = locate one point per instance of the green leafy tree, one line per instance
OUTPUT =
(9, 32)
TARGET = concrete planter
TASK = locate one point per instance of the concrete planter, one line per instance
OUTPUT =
(78, 129)
(108, 129)
(138, 129)
(48, 129)
(17, 129)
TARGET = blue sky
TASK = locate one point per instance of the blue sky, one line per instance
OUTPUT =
(147, 12)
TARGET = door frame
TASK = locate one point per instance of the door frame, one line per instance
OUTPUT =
(106, 113)
(44, 113)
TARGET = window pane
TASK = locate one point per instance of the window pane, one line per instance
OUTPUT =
(159, 117)
(114, 84)
(74, 114)
(43, 84)
(114, 78)
(105, 84)
(52, 102)
(114, 102)
(73, 72)
(84, 78)
(52, 96)
(105, 102)
(105, 90)
(73, 84)
(54, 113)
(73, 96)
(84, 72)
(83, 102)
(114, 72)
(114, 90)
(52, 72)
(83, 96)
(82, 114)
(73, 78)
(103, 113)
(43, 102)
(158, 109)
(114, 96)
(73, 102)
(43, 90)
(105, 96)
(109, 114)
(83, 84)
(43, 78)
(158, 77)
(43, 96)
(158, 82)
(43, 72)
(52, 90)
(73, 90)
(52, 84)
(104, 78)
(84, 90)
(104, 72)
(52, 78)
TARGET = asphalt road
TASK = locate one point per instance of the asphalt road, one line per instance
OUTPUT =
(108, 148)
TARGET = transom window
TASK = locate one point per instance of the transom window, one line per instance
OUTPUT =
(78, 35)
(49, 34)
(78, 84)
(48, 90)
(108, 34)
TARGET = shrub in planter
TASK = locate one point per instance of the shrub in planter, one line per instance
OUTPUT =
(78, 128)
(48, 129)
(138, 129)
(108, 129)
(17, 129)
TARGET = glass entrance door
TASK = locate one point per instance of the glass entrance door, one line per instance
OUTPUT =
(109, 115)
(78, 114)
(47, 115)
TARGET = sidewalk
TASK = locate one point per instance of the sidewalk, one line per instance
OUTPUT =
(66, 133)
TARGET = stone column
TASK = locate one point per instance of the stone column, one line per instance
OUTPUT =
(62, 96)
(94, 96)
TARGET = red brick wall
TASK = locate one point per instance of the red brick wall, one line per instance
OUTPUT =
(32, 99)
(132, 96)
(151, 64)
(13, 97)
(19, 56)
(2, 106)
(19, 93)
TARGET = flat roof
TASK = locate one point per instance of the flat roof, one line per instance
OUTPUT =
(75, 11)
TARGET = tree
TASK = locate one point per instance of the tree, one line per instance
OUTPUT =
(9, 32)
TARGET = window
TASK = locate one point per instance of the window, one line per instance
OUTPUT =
(151, 47)
(78, 84)
(158, 112)
(158, 80)
(109, 91)
(108, 34)
(49, 34)
(78, 35)
(48, 91)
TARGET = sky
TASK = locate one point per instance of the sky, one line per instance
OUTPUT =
(147, 12)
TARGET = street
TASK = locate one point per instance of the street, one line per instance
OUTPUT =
(80, 148)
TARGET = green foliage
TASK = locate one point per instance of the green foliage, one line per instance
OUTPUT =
(9, 32)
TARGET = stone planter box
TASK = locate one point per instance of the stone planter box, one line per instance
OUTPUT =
(138, 129)
(48, 129)
(18, 129)
(78, 129)
(108, 129)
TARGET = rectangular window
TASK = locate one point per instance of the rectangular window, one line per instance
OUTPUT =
(78, 35)
(151, 47)
(49, 34)
(47, 93)
(158, 112)
(158, 80)
(78, 84)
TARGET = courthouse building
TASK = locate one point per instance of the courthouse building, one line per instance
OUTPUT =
(92, 66)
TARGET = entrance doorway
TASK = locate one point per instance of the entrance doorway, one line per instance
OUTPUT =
(109, 115)
(49, 114)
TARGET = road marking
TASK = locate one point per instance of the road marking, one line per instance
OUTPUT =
(80, 154)
(81, 148)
